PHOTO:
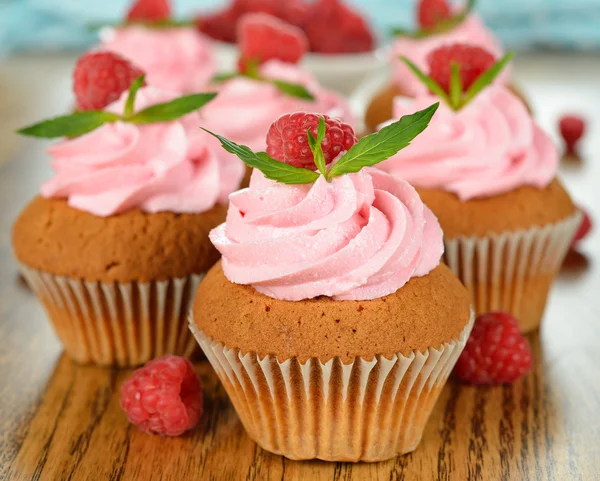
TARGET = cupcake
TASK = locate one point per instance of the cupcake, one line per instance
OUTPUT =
(175, 56)
(117, 241)
(444, 29)
(488, 172)
(330, 321)
(269, 83)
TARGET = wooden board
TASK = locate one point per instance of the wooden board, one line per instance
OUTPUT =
(60, 421)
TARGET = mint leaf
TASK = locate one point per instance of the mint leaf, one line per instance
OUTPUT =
(133, 89)
(377, 147)
(293, 90)
(487, 78)
(315, 146)
(172, 110)
(222, 77)
(427, 80)
(455, 86)
(72, 125)
(273, 169)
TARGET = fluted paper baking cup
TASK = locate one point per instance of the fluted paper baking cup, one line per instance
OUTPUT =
(367, 410)
(122, 324)
(512, 271)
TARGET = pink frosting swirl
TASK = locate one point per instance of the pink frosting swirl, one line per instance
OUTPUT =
(174, 59)
(489, 147)
(171, 166)
(360, 236)
(245, 108)
(472, 31)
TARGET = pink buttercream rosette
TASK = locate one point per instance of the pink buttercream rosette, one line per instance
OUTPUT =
(176, 59)
(245, 108)
(168, 166)
(360, 236)
(489, 147)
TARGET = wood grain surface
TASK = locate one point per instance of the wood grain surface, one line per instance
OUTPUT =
(61, 421)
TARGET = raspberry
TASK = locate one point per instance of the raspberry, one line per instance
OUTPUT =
(332, 27)
(220, 25)
(149, 11)
(473, 61)
(496, 352)
(295, 12)
(572, 128)
(584, 228)
(431, 12)
(262, 37)
(287, 139)
(163, 397)
(100, 78)
(270, 7)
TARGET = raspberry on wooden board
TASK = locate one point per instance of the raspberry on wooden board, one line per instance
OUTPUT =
(163, 397)
(572, 128)
(496, 352)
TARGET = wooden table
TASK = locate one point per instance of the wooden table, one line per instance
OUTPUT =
(60, 421)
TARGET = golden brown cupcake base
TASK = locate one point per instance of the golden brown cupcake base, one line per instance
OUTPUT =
(520, 208)
(425, 312)
(508, 248)
(133, 246)
(366, 410)
(381, 107)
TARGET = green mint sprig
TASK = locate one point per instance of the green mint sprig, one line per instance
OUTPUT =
(315, 146)
(377, 147)
(442, 27)
(457, 99)
(81, 123)
(273, 169)
(369, 150)
(251, 71)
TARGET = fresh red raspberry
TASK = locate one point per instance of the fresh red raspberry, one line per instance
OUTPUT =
(100, 78)
(163, 397)
(295, 12)
(496, 352)
(287, 139)
(584, 228)
(149, 11)
(473, 61)
(572, 128)
(270, 7)
(431, 12)
(262, 37)
(219, 25)
(332, 27)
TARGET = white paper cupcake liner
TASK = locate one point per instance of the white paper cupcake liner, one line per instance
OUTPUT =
(122, 324)
(367, 410)
(512, 271)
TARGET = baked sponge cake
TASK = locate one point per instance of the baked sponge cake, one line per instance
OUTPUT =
(117, 242)
(488, 172)
(329, 320)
